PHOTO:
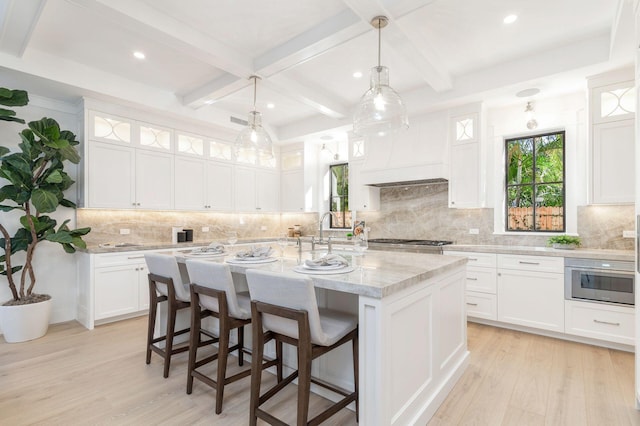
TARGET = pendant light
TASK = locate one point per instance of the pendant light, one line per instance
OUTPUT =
(531, 121)
(254, 137)
(380, 110)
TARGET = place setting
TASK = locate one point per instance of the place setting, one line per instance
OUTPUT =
(325, 265)
(253, 255)
(214, 249)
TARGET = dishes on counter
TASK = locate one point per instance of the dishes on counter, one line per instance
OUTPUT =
(248, 260)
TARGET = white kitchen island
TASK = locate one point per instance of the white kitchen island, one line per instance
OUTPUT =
(413, 342)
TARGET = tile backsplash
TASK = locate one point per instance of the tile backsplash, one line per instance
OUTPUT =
(411, 212)
(422, 212)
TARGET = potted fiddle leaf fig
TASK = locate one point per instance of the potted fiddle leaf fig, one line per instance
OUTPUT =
(32, 184)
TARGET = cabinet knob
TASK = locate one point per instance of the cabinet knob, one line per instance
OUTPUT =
(133, 204)
(453, 202)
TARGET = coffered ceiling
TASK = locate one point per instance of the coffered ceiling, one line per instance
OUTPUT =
(200, 53)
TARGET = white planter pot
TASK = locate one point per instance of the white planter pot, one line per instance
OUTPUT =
(25, 322)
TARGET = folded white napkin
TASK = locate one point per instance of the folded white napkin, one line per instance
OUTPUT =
(255, 252)
(213, 248)
(327, 260)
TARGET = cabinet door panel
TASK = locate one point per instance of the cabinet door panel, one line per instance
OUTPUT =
(154, 180)
(220, 186)
(292, 191)
(189, 183)
(143, 287)
(464, 181)
(110, 181)
(613, 162)
(116, 291)
(532, 299)
(267, 187)
(245, 181)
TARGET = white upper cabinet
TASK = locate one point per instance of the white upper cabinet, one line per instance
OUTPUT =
(190, 183)
(256, 190)
(110, 176)
(466, 180)
(154, 180)
(298, 179)
(220, 186)
(361, 197)
(612, 102)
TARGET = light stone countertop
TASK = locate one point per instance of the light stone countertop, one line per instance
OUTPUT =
(583, 253)
(382, 274)
(96, 249)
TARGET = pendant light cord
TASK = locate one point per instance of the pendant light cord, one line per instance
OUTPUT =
(379, 41)
(255, 89)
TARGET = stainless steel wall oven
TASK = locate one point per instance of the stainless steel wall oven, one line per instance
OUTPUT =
(598, 280)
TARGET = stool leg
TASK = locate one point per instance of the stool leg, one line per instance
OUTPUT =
(279, 360)
(241, 345)
(256, 369)
(223, 352)
(168, 348)
(194, 343)
(153, 306)
(304, 383)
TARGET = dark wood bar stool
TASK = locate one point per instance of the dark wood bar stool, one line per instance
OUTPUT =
(285, 309)
(213, 295)
(166, 285)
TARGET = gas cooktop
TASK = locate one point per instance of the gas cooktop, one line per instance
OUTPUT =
(410, 242)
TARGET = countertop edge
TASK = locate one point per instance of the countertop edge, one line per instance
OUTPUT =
(604, 254)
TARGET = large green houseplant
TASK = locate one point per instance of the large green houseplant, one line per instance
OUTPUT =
(34, 183)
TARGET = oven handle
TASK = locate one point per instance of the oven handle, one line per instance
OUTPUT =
(599, 270)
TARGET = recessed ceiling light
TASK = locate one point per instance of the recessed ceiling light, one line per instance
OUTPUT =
(209, 102)
(357, 74)
(271, 105)
(139, 54)
(510, 19)
(528, 92)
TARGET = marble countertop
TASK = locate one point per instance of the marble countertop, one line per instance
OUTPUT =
(377, 274)
(583, 253)
(116, 248)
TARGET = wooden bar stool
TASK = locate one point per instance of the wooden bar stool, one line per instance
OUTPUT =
(214, 295)
(166, 285)
(285, 309)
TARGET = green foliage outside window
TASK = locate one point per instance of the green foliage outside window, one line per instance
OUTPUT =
(535, 187)
(339, 197)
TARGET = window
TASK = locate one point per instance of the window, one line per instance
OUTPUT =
(339, 196)
(535, 192)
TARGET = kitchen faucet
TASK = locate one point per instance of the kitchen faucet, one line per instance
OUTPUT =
(325, 214)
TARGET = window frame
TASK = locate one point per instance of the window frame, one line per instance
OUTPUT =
(346, 211)
(534, 184)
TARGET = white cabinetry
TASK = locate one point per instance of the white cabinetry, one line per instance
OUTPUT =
(531, 291)
(256, 190)
(613, 106)
(110, 176)
(361, 197)
(600, 321)
(466, 183)
(154, 180)
(112, 286)
(203, 185)
(480, 294)
(293, 182)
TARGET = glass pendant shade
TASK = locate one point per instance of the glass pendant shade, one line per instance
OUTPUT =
(254, 138)
(380, 110)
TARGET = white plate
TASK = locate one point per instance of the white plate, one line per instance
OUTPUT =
(322, 267)
(204, 254)
(344, 270)
(247, 261)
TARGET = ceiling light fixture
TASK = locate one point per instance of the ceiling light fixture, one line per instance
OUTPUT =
(531, 121)
(510, 19)
(357, 74)
(139, 55)
(380, 109)
(271, 105)
(254, 136)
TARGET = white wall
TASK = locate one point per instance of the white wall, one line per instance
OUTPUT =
(567, 113)
(55, 269)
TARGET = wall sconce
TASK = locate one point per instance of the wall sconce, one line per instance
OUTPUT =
(531, 121)
(326, 151)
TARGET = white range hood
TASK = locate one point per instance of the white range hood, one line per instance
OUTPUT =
(413, 157)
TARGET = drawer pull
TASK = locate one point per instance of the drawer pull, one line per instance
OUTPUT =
(135, 257)
(522, 262)
(472, 304)
(472, 279)
(617, 324)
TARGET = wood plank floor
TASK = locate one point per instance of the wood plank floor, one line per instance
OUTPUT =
(74, 376)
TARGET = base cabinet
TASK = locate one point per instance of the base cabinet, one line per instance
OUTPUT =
(600, 321)
(113, 285)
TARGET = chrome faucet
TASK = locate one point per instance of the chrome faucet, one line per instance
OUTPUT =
(314, 242)
(325, 214)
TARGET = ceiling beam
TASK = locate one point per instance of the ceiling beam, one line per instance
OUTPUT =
(405, 40)
(18, 19)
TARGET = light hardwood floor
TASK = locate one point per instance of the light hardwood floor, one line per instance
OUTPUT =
(74, 376)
